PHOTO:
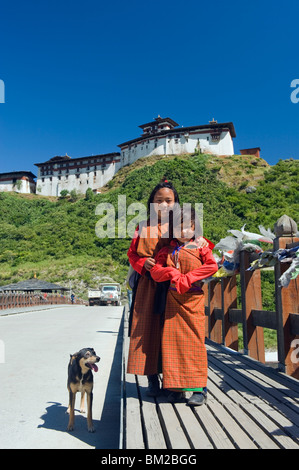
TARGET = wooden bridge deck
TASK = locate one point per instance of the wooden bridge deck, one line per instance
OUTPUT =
(249, 406)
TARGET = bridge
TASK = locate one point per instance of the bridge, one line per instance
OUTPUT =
(250, 404)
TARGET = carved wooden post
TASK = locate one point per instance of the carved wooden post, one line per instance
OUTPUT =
(205, 289)
(215, 304)
(287, 298)
(253, 336)
(229, 300)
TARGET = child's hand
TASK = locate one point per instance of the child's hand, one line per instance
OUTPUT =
(201, 242)
(183, 284)
(149, 263)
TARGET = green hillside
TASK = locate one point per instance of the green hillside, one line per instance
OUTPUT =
(55, 238)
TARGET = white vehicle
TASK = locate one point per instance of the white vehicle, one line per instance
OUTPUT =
(94, 296)
(107, 294)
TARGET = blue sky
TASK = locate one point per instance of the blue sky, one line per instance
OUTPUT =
(80, 77)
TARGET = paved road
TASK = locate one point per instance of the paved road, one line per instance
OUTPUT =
(33, 375)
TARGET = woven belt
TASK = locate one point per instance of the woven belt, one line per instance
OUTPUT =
(192, 290)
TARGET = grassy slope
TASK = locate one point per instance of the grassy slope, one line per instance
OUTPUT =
(56, 238)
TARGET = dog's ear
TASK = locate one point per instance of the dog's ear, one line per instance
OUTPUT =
(73, 357)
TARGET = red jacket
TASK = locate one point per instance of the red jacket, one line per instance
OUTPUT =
(136, 261)
(183, 282)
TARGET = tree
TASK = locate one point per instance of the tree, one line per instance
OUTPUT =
(74, 195)
(89, 195)
(64, 193)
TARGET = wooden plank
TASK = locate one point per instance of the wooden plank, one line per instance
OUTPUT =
(215, 298)
(172, 429)
(270, 388)
(207, 321)
(253, 336)
(258, 435)
(251, 387)
(218, 390)
(239, 438)
(243, 421)
(264, 318)
(249, 406)
(273, 388)
(282, 421)
(218, 312)
(275, 416)
(229, 301)
(235, 315)
(205, 289)
(236, 381)
(134, 434)
(229, 392)
(283, 379)
(195, 432)
(153, 429)
(271, 428)
(219, 438)
(287, 388)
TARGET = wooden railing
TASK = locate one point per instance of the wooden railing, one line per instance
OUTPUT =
(18, 300)
(223, 314)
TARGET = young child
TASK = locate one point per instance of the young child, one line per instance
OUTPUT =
(184, 355)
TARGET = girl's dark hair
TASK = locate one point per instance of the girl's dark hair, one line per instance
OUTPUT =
(163, 184)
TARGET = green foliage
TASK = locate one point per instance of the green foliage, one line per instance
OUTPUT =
(39, 232)
(74, 196)
(64, 193)
(89, 196)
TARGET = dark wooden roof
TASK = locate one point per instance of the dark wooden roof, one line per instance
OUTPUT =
(159, 120)
(15, 174)
(66, 158)
(32, 285)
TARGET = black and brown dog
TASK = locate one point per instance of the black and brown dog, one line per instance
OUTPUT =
(80, 379)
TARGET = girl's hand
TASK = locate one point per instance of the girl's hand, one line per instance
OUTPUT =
(201, 242)
(149, 263)
(183, 283)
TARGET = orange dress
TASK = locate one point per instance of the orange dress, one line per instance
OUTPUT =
(184, 355)
(145, 337)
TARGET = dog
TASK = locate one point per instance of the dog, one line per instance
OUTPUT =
(80, 379)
